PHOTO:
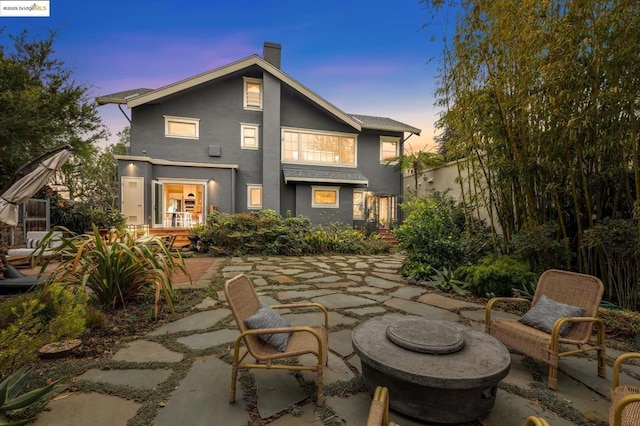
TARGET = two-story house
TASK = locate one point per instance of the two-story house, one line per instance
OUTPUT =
(245, 137)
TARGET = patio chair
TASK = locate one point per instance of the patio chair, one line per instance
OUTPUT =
(379, 410)
(245, 306)
(536, 421)
(548, 324)
(625, 399)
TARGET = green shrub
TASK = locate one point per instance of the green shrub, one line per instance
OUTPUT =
(542, 247)
(22, 333)
(496, 275)
(118, 269)
(267, 233)
(433, 236)
(445, 281)
(31, 320)
(78, 218)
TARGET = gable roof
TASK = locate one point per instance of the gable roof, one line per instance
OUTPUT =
(121, 97)
(384, 123)
(136, 97)
(205, 77)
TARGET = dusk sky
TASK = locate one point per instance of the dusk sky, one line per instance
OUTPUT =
(365, 57)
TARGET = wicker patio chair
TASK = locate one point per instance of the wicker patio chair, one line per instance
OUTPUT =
(570, 288)
(625, 399)
(379, 410)
(536, 421)
(244, 303)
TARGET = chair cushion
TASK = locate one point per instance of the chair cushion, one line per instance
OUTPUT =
(266, 317)
(547, 311)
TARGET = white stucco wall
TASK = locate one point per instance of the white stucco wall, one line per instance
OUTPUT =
(442, 179)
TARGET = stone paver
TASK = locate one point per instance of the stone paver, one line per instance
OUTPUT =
(340, 342)
(81, 409)
(417, 308)
(145, 351)
(210, 339)
(444, 302)
(277, 390)
(199, 321)
(148, 378)
(407, 292)
(338, 301)
(199, 400)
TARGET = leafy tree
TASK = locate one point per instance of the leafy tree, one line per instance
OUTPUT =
(416, 161)
(543, 99)
(41, 106)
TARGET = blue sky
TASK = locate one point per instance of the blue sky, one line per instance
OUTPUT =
(365, 57)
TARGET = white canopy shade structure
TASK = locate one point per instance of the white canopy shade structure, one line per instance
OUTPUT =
(24, 188)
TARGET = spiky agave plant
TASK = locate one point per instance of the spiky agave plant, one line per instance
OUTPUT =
(11, 401)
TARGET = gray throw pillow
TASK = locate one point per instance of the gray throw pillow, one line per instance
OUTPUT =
(266, 317)
(545, 313)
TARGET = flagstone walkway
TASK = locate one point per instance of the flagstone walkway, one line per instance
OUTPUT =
(188, 359)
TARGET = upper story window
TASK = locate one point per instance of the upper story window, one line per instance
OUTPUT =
(389, 148)
(252, 93)
(325, 196)
(254, 197)
(181, 127)
(249, 135)
(300, 146)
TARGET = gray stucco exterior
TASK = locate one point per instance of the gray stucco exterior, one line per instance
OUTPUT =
(216, 162)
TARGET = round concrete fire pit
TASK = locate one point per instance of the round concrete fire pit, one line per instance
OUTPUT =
(436, 371)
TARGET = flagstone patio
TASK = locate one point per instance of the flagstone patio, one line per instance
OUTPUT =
(193, 354)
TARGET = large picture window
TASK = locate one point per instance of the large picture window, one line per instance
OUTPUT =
(318, 148)
(325, 196)
(252, 93)
(181, 127)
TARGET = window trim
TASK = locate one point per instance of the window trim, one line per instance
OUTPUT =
(354, 136)
(251, 186)
(184, 120)
(244, 93)
(315, 205)
(363, 193)
(387, 139)
(243, 127)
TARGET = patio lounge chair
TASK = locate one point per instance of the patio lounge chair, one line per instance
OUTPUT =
(544, 332)
(379, 410)
(625, 399)
(245, 305)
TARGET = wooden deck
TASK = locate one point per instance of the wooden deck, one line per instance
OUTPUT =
(181, 234)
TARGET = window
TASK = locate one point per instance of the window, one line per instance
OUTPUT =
(318, 148)
(254, 196)
(325, 196)
(358, 204)
(252, 93)
(389, 148)
(249, 136)
(180, 127)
